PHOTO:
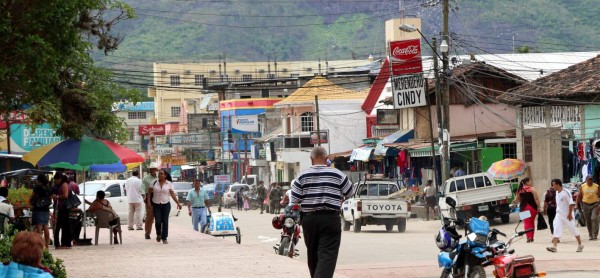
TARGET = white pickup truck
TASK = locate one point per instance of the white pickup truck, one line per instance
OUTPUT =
(374, 203)
(476, 195)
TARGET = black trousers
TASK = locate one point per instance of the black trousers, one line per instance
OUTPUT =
(322, 236)
(551, 214)
(63, 223)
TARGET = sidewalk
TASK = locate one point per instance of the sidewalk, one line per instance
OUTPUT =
(188, 254)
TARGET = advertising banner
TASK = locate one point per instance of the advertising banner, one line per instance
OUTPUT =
(244, 124)
(408, 91)
(314, 137)
(155, 129)
(406, 57)
(222, 178)
(23, 139)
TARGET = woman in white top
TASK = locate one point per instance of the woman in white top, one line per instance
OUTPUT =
(160, 191)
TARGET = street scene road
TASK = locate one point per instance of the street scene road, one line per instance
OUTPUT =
(371, 253)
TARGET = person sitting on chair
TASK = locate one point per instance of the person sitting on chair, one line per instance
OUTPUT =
(102, 204)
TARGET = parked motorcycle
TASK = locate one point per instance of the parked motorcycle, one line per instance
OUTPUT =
(290, 231)
(506, 263)
(462, 257)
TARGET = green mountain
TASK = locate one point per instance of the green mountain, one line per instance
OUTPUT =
(257, 30)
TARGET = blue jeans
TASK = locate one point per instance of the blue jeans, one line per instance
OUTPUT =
(198, 215)
(161, 219)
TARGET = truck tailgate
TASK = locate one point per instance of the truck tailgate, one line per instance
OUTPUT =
(375, 207)
(484, 194)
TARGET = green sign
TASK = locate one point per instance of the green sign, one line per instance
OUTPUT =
(23, 139)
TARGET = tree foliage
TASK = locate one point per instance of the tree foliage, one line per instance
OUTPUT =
(46, 68)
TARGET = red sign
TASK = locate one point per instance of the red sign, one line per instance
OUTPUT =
(15, 117)
(154, 129)
(406, 57)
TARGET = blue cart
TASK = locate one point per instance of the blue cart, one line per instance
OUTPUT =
(222, 224)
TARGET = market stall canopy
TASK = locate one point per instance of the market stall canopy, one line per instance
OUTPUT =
(23, 172)
(361, 154)
(396, 137)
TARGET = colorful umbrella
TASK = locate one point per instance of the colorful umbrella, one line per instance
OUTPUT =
(109, 168)
(85, 152)
(507, 169)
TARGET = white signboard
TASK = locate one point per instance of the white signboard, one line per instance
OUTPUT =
(222, 178)
(408, 91)
(244, 124)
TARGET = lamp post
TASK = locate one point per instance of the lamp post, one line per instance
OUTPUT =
(443, 158)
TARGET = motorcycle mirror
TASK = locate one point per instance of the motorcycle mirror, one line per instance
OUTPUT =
(524, 215)
(451, 202)
(472, 236)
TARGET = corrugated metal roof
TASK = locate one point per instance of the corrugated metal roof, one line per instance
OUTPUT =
(325, 89)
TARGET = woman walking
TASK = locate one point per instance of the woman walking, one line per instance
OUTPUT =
(160, 192)
(40, 201)
(60, 193)
(528, 200)
(550, 206)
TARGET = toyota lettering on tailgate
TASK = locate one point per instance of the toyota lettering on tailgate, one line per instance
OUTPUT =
(384, 207)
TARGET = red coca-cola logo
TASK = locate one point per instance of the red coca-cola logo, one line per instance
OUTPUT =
(409, 50)
(406, 57)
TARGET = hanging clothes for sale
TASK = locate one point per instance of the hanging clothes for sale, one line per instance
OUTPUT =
(596, 149)
(581, 151)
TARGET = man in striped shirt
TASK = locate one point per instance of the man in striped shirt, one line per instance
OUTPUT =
(320, 191)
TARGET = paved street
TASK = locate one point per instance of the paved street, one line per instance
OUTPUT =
(371, 253)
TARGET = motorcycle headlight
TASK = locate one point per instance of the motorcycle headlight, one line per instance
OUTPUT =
(289, 222)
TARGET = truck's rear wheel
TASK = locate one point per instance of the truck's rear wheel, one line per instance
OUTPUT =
(345, 224)
(356, 225)
(505, 218)
(389, 227)
(402, 225)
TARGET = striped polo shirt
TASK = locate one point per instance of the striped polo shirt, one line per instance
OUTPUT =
(320, 188)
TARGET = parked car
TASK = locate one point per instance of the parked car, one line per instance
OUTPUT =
(476, 195)
(220, 189)
(372, 204)
(181, 189)
(229, 195)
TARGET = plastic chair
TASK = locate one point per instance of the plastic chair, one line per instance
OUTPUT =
(4, 222)
(102, 219)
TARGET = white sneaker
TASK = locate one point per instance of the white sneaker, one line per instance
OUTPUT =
(580, 248)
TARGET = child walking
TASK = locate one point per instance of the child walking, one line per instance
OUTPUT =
(246, 203)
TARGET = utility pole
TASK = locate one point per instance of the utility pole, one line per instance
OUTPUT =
(318, 122)
(246, 157)
(438, 110)
(445, 155)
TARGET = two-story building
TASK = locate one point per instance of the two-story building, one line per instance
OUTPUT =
(341, 121)
(134, 115)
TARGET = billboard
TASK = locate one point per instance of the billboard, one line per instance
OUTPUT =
(23, 139)
(409, 91)
(155, 129)
(314, 138)
(222, 178)
(406, 57)
(244, 124)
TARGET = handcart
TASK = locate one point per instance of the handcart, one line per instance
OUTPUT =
(222, 224)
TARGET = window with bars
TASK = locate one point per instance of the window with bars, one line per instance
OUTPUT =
(131, 133)
(307, 121)
(175, 111)
(136, 115)
(175, 80)
(509, 150)
(198, 79)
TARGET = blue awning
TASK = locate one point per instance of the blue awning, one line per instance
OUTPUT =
(396, 137)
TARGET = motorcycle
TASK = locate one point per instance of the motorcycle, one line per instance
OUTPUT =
(462, 257)
(290, 231)
(506, 263)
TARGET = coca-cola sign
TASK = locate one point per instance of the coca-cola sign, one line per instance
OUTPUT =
(152, 129)
(406, 57)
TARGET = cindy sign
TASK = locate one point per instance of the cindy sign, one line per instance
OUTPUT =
(408, 91)
(406, 57)
(244, 124)
(155, 129)
(23, 139)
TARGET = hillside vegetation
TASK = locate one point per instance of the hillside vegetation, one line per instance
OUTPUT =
(257, 30)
